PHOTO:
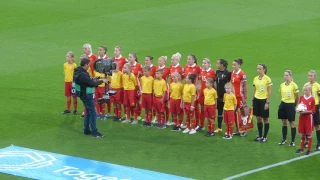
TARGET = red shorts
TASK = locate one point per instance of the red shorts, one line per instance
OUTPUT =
(68, 89)
(147, 101)
(175, 106)
(201, 99)
(239, 102)
(129, 97)
(98, 92)
(118, 97)
(210, 111)
(228, 116)
(187, 109)
(305, 124)
(158, 105)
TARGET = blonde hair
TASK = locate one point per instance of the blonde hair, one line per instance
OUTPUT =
(307, 86)
(127, 65)
(119, 48)
(87, 46)
(207, 60)
(229, 85)
(176, 74)
(176, 56)
(314, 73)
(70, 53)
(164, 57)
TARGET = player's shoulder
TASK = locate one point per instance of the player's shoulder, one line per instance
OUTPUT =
(267, 77)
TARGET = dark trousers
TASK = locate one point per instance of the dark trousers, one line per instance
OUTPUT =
(91, 116)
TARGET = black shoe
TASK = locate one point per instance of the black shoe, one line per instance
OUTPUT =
(209, 134)
(200, 129)
(299, 151)
(116, 119)
(87, 132)
(75, 112)
(66, 112)
(98, 135)
(308, 152)
(144, 124)
(176, 128)
(318, 147)
(263, 140)
(306, 145)
(149, 124)
(257, 139)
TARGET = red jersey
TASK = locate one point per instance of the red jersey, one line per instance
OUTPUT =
(166, 72)
(194, 69)
(136, 68)
(238, 79)
(309, 102)
(204, 75)
(176, 68)
(92, 59)
(121, 61)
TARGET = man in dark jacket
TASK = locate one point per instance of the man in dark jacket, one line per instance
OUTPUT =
(84, 86)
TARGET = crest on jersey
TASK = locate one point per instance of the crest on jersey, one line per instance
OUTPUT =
(244, 77)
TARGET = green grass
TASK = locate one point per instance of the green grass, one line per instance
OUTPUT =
(35, 36)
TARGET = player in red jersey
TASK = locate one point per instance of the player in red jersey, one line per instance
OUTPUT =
(165, 75)
(306, 119)
(239, 82)
(87, 50)
(137, 71)
(118, 57)
(205, 74)
(175, 66)
(193, 68)
(148, 62)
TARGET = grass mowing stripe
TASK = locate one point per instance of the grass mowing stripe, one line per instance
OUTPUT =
(271, 166)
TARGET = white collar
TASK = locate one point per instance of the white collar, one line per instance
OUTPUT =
(192, 65)
(307, 97)
(237, 72)
(90, 55)
(162, 67)
(176, 65)
(207, 70)
(118, 57)
(102, 57)
(151, 65)
(134, 64)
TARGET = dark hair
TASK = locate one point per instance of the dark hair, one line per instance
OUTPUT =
(84, 62)
(134, 55)
(104, 48)
(150, 57)
(265, 68)
(239, 61)
(192, 77)
(159, 70)
(211, 81)
(147, 68)
(224, 63)
(194, 58)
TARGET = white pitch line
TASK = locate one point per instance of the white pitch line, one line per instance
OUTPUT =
(272, 166)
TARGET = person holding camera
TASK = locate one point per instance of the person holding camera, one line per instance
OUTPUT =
(84, 86)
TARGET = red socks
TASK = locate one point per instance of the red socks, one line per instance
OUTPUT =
(75, 103)
(68, 103)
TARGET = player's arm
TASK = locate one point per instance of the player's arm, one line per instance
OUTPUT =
(245, 91)
(296, 97)
(164, 89)
(235, 102)
(193, 97)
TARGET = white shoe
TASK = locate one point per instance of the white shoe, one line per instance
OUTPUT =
(183, 126)
(126, 121)
(134, 122)
(193, 131)
(170, 123)
(186, 131)
(155, 121)
(143, 120)
(197, 128)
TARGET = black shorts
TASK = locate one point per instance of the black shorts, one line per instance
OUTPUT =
(316, 116)
(287, 111)
(258, 108)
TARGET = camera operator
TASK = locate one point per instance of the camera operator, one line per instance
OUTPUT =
(85, 85)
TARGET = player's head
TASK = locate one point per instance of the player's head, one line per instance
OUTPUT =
(83, 56)
(307, 89)
(175, 59)
(288, 75)
(162, 60)
(228, 87)
(312, 76)
(70, 57)
(176, 77)
(132, 57)
(127, 68)
(85, 63)
(146, 70)
(191, 78)
(236, 64)
(117, 51)
(159, 73)
(262, 69)
(206, 63)
(102, 51)
(87, 50)
(148, 60)
(191, 60)
(209, 83)
(222, 64)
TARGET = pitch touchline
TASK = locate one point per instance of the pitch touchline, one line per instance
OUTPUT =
(271, 166)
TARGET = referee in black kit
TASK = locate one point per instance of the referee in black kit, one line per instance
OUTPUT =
(223, 76)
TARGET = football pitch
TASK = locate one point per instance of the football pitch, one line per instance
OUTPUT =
(36, 35)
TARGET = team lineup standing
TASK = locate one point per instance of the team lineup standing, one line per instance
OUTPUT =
(204, 91)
